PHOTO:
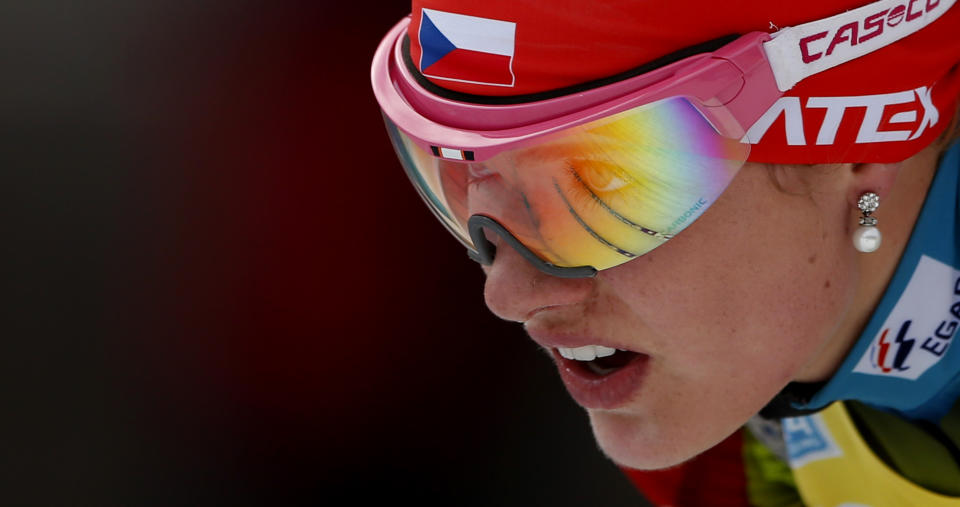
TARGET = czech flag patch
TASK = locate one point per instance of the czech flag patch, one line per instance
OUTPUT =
(469, 49)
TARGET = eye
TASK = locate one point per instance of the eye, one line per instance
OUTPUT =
(602, 178)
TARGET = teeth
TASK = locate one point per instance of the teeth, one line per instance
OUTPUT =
(587, 352)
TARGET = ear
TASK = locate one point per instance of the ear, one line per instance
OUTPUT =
(872, 177)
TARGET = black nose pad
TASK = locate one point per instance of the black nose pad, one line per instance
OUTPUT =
(486, 250)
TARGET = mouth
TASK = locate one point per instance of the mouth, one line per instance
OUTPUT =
(598, 359)
(600, 377)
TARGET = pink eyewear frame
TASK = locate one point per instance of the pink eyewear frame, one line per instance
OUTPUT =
(731, 87)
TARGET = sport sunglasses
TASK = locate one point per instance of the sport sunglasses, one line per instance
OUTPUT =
(586, 181)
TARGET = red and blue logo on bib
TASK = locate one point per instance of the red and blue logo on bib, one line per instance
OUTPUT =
(918, 332)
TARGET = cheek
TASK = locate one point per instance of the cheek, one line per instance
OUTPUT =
(721, 354)
(759, 281)
(731, 310)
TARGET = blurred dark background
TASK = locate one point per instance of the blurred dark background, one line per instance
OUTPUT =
(220, 289)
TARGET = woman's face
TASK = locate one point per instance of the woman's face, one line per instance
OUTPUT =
(748, 298)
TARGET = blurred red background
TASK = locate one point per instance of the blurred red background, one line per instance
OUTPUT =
(222, 289)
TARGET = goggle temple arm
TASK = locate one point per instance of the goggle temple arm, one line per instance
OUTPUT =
(485, 250)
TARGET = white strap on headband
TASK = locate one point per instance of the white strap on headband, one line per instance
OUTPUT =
(798, 52)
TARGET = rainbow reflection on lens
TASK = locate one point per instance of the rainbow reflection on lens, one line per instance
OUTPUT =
(598, 194)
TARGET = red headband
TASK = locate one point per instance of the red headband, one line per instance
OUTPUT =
(882, 107)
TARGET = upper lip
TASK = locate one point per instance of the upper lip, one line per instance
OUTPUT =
(552, 340)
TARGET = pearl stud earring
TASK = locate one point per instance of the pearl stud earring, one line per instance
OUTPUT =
(867, 237)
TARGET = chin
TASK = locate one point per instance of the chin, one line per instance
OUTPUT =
(640, 445)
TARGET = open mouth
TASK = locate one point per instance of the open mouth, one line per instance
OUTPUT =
(597, 359)
(599, 377)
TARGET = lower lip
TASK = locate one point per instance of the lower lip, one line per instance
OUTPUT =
(602, 393)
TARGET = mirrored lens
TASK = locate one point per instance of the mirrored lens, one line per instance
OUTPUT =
(598, 194)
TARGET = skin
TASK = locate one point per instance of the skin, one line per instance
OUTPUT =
(764, 289)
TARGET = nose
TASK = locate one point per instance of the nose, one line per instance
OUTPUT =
(515, 290)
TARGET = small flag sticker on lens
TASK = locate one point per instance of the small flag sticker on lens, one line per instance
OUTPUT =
(451, 153)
